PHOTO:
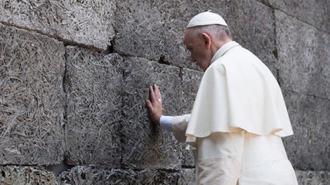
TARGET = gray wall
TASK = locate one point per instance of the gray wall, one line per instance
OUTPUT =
(74, 77)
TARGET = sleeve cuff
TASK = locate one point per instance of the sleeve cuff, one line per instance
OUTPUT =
(166, 122)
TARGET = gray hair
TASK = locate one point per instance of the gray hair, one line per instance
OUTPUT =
(217, 31)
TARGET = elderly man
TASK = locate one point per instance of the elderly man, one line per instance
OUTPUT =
(239, 114)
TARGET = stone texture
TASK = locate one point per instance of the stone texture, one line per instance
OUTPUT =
(106, 123)
(308, 148)
(152, 29)
(313, 177)
(187, 177)
(84, 22)
(93, 84)
(81, 175)
(145, 144)
(252, 26)
(313, 12)
(25, 175)
(188, 159)
(31, 98)
(190, 83)
(304, 57)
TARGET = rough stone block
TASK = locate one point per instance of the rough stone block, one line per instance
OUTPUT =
(313, 177)
(190, 82)
(25, 175)
(84, 22)
(253, 26)
(155, 30)
(309, 147)
(145, 144)
(152, 29)
(93, 84)
(315, 12)
(188, 159)
(81, 175)
(304, 57)
(187, 177)
(31, 98)
(87, 175)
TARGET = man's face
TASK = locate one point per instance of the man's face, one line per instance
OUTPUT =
(198, 52)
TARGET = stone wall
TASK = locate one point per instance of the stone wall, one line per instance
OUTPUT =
(74, 77)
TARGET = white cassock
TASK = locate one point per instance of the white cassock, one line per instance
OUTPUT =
(237, 122)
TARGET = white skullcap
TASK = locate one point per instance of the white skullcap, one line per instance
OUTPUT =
(206, 18)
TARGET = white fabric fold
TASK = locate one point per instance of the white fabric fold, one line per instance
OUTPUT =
(237, 92)
(179, 127)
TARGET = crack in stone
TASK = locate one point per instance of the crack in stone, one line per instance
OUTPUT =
(56, 37)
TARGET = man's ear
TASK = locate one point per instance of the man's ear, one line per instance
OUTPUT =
(207, 40)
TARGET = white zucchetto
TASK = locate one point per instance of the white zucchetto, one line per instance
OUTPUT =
(206, 18)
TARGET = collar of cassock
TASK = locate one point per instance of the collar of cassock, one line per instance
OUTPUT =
(226, 47)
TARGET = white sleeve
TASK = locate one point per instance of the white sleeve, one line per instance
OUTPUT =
(166, 122)
(176, 124)
(179, 126)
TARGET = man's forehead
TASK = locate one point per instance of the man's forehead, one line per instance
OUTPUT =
(186, 36)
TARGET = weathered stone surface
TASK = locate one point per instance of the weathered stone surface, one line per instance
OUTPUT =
(106, 123)
(31, 98)
(93, 84)
(152, 29)
(156, 29)
(309, 147)
(188, 159)
(85, 22)
(313, 12)
(187, 177)
(81, 175)
(253, 26)
(145, 144)
(313, 177)
(25, 175)
(190, 83)
(304, 57)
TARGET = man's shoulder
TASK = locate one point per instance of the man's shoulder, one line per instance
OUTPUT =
(240, 56)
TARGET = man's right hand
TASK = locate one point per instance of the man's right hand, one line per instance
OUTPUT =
(154, 105)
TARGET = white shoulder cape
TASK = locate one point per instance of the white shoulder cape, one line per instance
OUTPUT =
(238, 91)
